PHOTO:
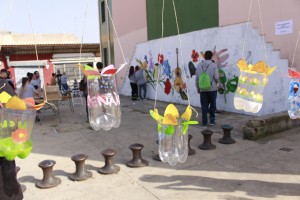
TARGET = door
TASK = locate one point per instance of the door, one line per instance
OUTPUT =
(21, 72)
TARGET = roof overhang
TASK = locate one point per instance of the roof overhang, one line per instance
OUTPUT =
(51, 49)
(40, 63)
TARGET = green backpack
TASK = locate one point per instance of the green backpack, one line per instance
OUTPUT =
(204, 82)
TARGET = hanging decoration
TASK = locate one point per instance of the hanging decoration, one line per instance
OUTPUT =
(172, 134)
(172, 128)
(103, 100)
(16, 122)
(17, 118)
(253, 78)
(252, 81)
(294, 95)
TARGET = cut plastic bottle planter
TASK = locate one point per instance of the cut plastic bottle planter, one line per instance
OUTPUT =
(15, 129)
(173, 134)
(103, 100)
(294, 95)
(252, 81)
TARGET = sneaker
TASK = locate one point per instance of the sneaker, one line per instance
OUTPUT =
(212, 123)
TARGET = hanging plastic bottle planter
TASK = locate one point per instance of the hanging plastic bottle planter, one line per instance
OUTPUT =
(103, 99)
(16, 123)
(252, 81)
(294, 95)
(173, 134)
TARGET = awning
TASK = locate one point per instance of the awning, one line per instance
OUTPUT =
(51, 49)
(27, 63)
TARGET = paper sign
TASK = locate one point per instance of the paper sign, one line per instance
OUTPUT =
(284, 27)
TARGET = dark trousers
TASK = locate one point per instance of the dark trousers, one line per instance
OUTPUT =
(9, 186)
(143, 87)
(86, 105)
(134, 91)
(208, 104)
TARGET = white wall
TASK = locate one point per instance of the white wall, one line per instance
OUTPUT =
(227, 37)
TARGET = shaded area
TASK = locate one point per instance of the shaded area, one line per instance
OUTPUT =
(199, 183)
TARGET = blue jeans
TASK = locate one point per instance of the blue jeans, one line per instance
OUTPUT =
(208, 104)
(144, 87)
(65, 86)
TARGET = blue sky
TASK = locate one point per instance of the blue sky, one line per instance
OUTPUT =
(52, 16)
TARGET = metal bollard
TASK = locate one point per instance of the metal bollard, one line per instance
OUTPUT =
(80, 174)
(137, 160)
(49, 180)
(227, 135)
(109, 167)
(207, 145)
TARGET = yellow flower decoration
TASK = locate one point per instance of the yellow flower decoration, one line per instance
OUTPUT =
(16, 103)
(187, 114)
(259, 67)
(171, 115)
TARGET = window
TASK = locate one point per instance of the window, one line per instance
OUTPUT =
(103, 11)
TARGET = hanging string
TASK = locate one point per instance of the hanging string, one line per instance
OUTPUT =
(115, 30)
(248, 21)
(295, 49)
(160, 51)
(180, 47)
(5, 23)
(83, 31)
(182, 61)
(36, 52)
(263, 33)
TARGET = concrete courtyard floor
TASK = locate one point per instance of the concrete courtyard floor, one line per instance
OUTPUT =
(265, 169)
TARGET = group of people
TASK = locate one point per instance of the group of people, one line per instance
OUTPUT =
(208, 94)
(138, 83)
(61, 80)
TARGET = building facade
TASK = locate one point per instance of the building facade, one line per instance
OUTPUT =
(46, 53)
(142, 22)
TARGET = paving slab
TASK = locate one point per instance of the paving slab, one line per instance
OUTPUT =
(267, 169)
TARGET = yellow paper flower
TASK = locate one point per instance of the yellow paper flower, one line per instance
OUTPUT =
(259, 67)
(171, 115)
(16, 103)
(171, 109)
(170, 119)
(187, 114)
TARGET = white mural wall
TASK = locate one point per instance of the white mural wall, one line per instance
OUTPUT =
(226, 44)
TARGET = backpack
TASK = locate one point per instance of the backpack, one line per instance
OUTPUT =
(204, 82)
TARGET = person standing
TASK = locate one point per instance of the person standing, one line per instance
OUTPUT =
(58, 77)
(207, 78)
(53, 79)
(141, 82)
(64, 82)
(4, 74)
(134, 87)
(99, 66)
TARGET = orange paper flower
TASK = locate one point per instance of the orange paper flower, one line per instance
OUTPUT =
(20, 135)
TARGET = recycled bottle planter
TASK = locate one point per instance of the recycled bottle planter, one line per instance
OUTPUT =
(15, 133)
(109, 101)
(172, 148)
(173, 134)
(103, 100)
(252, 81)
(294, 95)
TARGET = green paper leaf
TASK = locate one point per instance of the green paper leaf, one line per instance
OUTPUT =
(190, 122)
(159, 128)
(170, 130)
(185, 128)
